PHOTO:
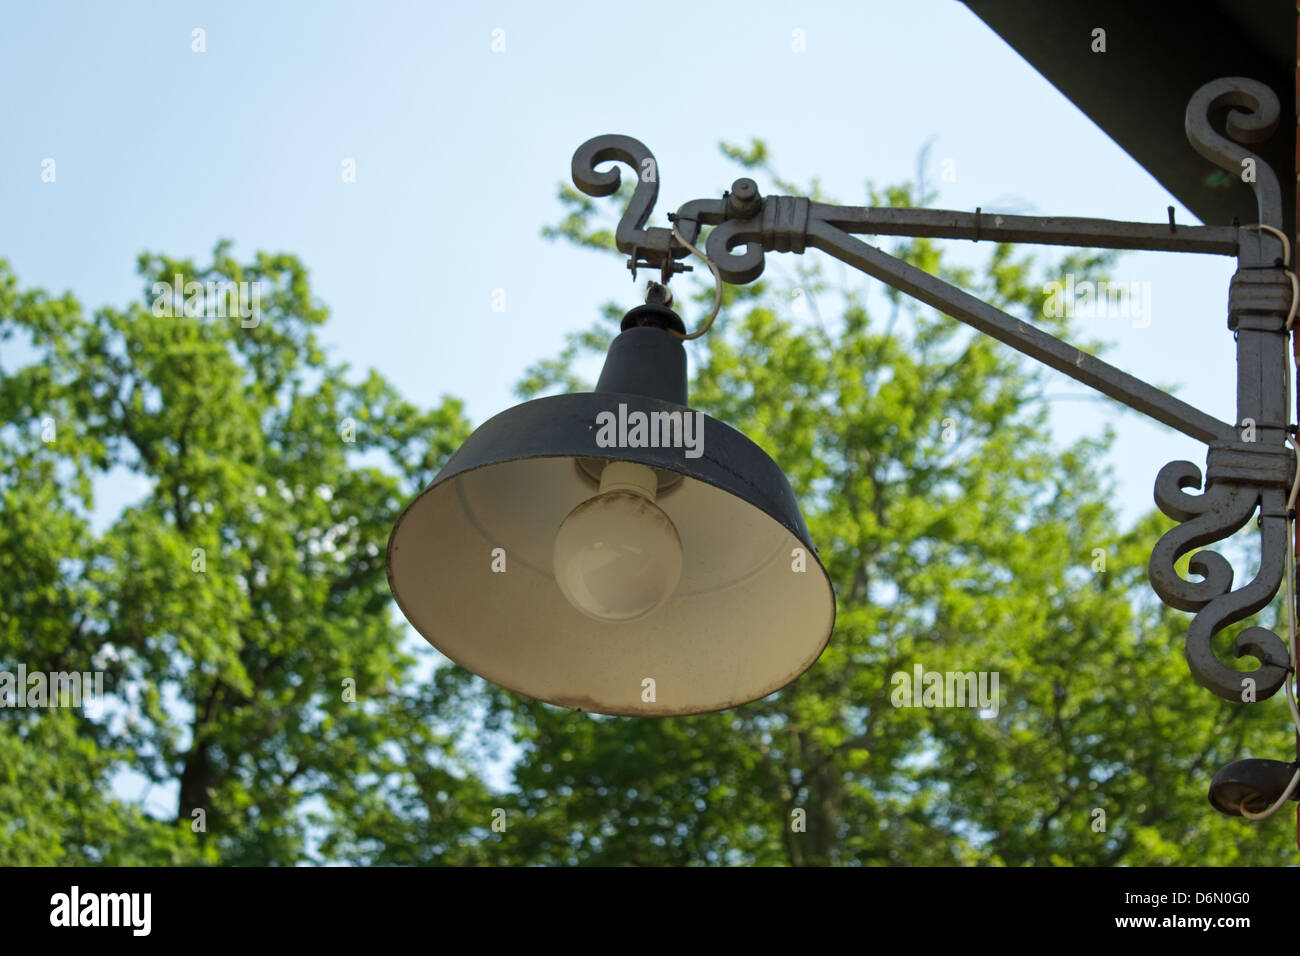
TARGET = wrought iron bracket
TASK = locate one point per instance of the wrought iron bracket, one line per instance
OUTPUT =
(1249, 467)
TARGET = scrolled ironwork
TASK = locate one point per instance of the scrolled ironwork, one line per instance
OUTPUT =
(1204, 519)
(654, 247)
(1252, 118)
(1223, 509)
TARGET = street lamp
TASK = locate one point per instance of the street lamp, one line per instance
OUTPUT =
(659, 568)
(647, 573)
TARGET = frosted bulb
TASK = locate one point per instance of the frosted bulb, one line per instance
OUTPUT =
(617, 556)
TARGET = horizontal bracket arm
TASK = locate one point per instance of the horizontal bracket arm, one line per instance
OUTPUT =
(1042, 230)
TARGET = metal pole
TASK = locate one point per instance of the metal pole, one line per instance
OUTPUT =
(1295, 347)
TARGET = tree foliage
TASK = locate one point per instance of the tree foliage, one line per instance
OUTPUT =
(235, 604)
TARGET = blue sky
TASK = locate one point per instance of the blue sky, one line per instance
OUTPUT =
(459, 150)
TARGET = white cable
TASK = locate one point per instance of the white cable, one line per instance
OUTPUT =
(717, 289)
(1291, 635)
(1286, 795)
(1290, 551)
(1290, 579)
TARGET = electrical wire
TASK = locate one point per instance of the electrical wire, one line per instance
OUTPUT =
(717, 290)
(1290, 543)
(1291, 628)
(1286, 243)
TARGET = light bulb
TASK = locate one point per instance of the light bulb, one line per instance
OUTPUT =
(617, 556)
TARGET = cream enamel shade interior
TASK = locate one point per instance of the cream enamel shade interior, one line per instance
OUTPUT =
(741, 624)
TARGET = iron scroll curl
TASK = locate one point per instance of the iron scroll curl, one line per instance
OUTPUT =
(1252, 118)
(1221, 510)
(654, 246)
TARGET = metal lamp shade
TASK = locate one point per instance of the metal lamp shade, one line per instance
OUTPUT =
(752, 611)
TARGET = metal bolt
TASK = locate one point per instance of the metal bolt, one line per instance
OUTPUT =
(743, 202)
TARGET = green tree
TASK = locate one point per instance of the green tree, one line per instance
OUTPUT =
(240, 608)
